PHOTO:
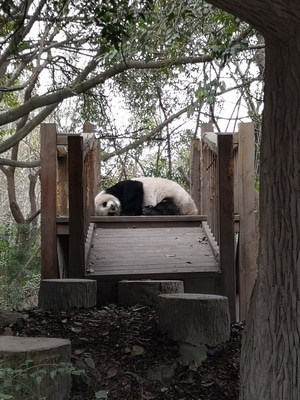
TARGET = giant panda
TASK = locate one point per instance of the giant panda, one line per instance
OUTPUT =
(145, 196)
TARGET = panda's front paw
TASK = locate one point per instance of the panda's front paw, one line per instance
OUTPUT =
(149, 210)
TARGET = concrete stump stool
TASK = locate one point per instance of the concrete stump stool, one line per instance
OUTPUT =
(45, 354)
(55, 294)
(198, 322)
(146, 291)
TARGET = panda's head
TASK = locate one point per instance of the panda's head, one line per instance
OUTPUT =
(107, 204)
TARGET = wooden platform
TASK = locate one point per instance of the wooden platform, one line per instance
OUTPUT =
(152, 252)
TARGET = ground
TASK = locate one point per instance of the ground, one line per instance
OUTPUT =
(125, 357)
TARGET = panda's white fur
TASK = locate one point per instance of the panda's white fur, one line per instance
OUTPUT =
(107, 204)
(157, 189)
(139, 198)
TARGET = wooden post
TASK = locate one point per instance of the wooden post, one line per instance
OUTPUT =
(226, 227)
(49, 267)
(76, 207)
(204, 176)
(92, 163)
(62, 191)
(247, 237)
(195, 167)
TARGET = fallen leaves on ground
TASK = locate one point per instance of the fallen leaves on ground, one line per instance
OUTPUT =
(125, 357)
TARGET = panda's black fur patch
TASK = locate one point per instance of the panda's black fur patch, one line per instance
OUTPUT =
(165, 207)
(130, 193)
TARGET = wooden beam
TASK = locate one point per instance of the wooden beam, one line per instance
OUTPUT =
(161, 221)
(76, 207)
(248, 237)
(204, 209)
(49, 267)
(195, 174)
(226, 228)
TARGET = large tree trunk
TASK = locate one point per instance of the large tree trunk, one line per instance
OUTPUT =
(271, 349)
(270, 359)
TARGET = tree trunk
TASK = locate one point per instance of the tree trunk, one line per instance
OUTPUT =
(271, 351)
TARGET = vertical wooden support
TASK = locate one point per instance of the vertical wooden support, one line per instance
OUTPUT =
(62, 191)
(49, 267)
(226, 228)
(247, 235)
(204, 175)
(195, 168)
(92, 167)
(76, 207)
(96, 169)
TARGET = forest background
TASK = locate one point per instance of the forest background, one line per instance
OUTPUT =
(145, 73)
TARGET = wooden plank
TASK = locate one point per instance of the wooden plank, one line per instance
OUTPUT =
(248, 236)
(164, 273)
(126, 222)
(150, 252)
(60, 258)
(88, 242)
(227, 239)
(49, 267)
(62, 187)
(195, 168)
(211, 240)
(204, 165)
(169, 258)
(109, 267)
(76, 207)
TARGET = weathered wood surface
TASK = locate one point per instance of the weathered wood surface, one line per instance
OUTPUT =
(149, 251)
(248, 236)
(48, 202)
(144, 221)
(226, 221)
(195, 173)
(77, 204)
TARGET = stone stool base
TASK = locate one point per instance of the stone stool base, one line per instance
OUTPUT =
(195, 321)
(57, 294)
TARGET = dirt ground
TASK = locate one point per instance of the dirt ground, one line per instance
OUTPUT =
(125, 357)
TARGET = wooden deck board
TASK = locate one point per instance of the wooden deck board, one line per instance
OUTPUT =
(146, 252)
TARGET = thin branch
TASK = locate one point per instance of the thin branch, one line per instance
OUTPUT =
(20, 164)
(149, 136)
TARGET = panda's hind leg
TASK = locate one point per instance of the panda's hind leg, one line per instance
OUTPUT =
(165, 207)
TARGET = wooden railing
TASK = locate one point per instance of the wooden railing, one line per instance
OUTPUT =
(222, 185)
(69, 171)
(228, 200)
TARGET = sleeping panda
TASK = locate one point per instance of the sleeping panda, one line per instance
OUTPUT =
(145, 196)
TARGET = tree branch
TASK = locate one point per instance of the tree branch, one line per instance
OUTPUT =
(149, 136)
(70, 91)
(21, 164)
(20, 134)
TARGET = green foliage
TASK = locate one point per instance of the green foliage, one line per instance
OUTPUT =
(19, 266)
(28, 376)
